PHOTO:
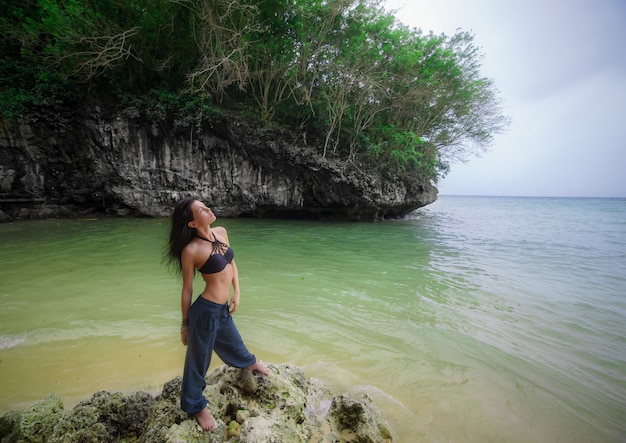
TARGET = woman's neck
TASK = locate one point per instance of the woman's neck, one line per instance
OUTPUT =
(205, 233)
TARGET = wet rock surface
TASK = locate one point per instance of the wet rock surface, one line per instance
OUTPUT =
(284, 406)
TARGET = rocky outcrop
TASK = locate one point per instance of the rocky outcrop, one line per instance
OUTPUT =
(282, 407)
(122, 164)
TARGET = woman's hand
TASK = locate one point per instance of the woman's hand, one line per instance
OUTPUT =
(183, 335)
(233, 304)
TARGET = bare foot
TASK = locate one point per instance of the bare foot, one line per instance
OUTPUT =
(260, 367)
(205, 420)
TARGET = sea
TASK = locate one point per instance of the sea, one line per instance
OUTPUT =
(474, 319)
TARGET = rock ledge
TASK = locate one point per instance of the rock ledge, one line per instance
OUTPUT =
(282, 407)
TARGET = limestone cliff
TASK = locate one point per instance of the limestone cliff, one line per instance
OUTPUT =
(121, 164)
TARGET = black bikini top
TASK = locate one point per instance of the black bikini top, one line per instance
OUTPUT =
(221, 255)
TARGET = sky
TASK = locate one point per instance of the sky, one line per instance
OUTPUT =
(560, 67)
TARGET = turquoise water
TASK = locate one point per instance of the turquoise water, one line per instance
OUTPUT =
(475, 319)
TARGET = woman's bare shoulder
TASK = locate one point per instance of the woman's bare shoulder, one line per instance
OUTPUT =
(219, 230)
(190, 248)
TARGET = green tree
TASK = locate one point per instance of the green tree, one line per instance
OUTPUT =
(345, 73)
(220, 30)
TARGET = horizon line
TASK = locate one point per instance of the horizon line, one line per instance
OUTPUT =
(530, 196)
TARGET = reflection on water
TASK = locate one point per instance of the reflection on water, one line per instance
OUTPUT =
(458, 323)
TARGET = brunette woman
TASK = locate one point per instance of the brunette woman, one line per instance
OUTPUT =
(207, 324)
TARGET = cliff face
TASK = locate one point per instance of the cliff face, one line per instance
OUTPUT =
(123, 165)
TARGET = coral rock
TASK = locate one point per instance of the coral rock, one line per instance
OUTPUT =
(284, 406)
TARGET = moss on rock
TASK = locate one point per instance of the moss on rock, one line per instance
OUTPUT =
(283, 406)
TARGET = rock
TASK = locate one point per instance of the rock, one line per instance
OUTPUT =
(282, 407)
(37, 421)
(358, 419)
(189, 432)
(234, 429)
(9, 426)
(104, 415)
(242, 415)
(121, 165)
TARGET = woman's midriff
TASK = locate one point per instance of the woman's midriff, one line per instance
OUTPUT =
(217, 287)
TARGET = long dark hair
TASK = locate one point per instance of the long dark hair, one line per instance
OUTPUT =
(180, 234)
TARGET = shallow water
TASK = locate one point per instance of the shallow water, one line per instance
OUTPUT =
(476, 319)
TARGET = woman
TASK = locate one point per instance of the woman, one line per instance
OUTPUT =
(207, 324)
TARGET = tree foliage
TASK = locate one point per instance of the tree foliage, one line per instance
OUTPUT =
(344, 73)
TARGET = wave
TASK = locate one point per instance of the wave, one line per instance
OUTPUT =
(11, 341)
(123, 329)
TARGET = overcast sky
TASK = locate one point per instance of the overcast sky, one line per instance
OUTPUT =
(560, 67)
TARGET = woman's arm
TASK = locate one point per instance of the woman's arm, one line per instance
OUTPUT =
(186, 293)
(234, 299)
(233, 304)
